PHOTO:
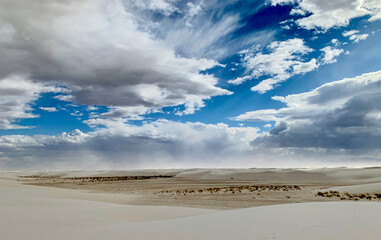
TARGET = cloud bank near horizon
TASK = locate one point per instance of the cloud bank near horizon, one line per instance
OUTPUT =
(339, 121)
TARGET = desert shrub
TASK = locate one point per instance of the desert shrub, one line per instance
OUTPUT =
(362, 195)
(320, 194)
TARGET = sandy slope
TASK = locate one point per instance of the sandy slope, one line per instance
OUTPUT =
(30, 212)
(357, 189)
(294, 221)
(38, 212)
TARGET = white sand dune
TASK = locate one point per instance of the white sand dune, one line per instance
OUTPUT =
(295, 221)
(274, 175)
(31, 212)
(362, 188)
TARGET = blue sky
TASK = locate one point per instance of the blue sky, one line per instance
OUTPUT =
(166, 83)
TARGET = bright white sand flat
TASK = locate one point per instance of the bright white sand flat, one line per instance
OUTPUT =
(30, 212)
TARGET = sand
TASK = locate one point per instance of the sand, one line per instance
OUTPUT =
(219, 189)
(358, 189)
(40, 212)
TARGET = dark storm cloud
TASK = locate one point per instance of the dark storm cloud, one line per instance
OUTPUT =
(344, 114)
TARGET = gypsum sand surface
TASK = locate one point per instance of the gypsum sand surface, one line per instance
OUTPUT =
(214, 188)
(34, 212)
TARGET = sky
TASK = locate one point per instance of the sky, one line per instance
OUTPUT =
(125, 84)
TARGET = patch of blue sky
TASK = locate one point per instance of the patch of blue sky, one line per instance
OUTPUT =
(66, 118)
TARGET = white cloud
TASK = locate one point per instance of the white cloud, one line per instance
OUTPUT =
(92, 108)
(240, 80)
(298, 11)
(335, 42)
(76, 113)
(163, 6)
(304, 67)
(350, 33)
(354, 36)
(357, 38)
(266, 115)
(284, 60)
(17, 142)
(192, 11)
(282, 2)
(49, 109)
(326, 14)
(133, 113)
(330, 54)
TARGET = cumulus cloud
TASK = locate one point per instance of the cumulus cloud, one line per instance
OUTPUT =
(97, 50)
(354, 36)
(284, 60)
(164, 144)
(343, 114)
(49, 109)
(117, 144)
(330, 54)
(326, 14)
